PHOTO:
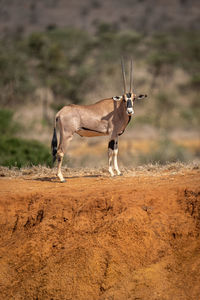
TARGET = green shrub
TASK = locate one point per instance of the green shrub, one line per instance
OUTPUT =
(36, 43)
(19, 152)
(15, 80)
(7, 126)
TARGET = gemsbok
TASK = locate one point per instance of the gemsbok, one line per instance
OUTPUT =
(105, 117)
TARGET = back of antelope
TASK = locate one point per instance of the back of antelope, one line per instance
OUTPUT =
(106, 117)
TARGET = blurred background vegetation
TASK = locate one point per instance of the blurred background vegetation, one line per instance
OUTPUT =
(45, 69)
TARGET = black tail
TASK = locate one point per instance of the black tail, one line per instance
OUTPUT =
(54, 144)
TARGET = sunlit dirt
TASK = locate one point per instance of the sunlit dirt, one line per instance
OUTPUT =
(94, 237)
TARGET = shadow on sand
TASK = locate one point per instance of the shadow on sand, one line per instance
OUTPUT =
(55, 178)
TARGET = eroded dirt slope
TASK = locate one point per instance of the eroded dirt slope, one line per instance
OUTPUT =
(95, 237)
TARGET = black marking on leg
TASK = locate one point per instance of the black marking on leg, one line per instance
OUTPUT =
(59, 158)
(113, 145)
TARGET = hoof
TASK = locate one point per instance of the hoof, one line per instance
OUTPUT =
(62, 181)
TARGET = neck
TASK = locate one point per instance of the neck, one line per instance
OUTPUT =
(126, 117)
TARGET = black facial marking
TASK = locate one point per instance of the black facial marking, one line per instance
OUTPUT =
(128, 95)
(129, 103)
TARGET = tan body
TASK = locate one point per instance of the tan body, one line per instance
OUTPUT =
(106, 117)
(102, 118)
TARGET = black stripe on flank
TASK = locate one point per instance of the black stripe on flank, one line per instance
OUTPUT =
(87, 129)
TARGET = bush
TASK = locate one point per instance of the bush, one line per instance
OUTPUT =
(7, 126)
(19, 152)
(15, 81)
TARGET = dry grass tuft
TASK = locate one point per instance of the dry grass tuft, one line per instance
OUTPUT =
(148, 170)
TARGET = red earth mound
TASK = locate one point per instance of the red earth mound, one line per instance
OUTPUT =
(94, 237)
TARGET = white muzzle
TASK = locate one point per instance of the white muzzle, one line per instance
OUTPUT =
(130, 111)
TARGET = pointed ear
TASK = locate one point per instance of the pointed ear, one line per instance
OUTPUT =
(140, 97)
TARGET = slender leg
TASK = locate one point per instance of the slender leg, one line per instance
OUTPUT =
(115, 152)
(110, 161)
(112, 156)
(60, 154)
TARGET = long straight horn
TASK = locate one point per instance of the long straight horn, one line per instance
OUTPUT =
(131, 76)
(123, 74)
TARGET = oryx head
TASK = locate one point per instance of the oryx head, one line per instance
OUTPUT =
(129, 97)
